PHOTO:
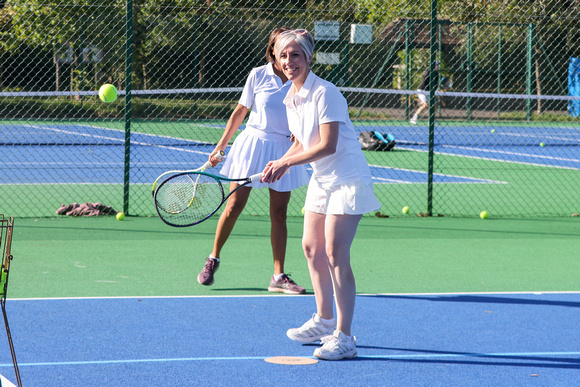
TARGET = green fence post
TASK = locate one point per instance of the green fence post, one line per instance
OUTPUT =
(439, 58)
(432, 80)
(469, 69)
(408, 48)
(499, 44)
(529, 70)
(128, 70)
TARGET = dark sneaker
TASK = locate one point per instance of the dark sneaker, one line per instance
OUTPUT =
(206, 275)
(285, 285)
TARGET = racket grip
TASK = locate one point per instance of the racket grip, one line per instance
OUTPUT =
(255, 178)
(205, 166)
(208, 163)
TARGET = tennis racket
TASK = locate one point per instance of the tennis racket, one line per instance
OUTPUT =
(189, 198)
(164, 175)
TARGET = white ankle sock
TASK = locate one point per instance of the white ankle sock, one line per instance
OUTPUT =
(326, 322)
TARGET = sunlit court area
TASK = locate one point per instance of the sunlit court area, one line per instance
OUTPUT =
(468, 116)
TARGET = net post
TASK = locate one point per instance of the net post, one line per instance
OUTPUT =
(432, 83)
(128, 70)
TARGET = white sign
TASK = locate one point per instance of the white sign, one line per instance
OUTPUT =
(326, 30)
(361, 33)
(328, 58)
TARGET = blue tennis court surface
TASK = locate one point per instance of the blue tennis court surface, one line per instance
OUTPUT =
(403, 340)
(101, 152)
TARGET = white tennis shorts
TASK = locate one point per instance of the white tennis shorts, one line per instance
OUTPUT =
(355, 198)
(422, 96)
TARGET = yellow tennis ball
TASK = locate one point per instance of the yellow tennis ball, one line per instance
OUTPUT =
(120, 216)
(303, 210)
(542, 144)
(108, 93)
(483, 215)
(406, 210)
(493, 130)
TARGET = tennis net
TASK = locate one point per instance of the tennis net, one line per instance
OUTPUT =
(190, 117)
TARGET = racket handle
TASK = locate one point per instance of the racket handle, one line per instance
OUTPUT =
(205, 166)
(208, 163)
(255, 178)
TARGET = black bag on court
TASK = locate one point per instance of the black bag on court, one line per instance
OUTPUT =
(375, 141)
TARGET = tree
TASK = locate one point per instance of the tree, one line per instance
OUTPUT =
(89, 29)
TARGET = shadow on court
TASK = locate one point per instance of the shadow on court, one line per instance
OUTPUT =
(456, 340)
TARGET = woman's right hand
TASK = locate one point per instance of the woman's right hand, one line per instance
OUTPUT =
(274, 171)
(216, 156)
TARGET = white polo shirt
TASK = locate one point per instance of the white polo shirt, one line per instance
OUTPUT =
(264, 93)
(320, 102)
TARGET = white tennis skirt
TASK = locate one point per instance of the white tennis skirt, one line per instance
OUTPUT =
(250, 153)
(353, 198)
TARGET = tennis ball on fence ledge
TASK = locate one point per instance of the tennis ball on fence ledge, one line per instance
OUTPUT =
(108, 93)
(483, 215)
(120, 215)
(406, 210)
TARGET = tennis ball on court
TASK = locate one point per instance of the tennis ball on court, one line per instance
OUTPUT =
(542, 144)
(108, 93)
(120, 216)
(303, 210)
(406, 210)
(483, 215)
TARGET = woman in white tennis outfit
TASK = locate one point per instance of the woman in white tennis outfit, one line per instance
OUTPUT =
(266, 137)
(339, 192)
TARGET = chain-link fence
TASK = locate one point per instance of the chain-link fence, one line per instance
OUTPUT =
(499, 132)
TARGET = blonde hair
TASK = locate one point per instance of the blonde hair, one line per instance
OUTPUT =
(270, 56)
(302, 37)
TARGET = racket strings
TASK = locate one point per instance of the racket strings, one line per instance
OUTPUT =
(189, 198)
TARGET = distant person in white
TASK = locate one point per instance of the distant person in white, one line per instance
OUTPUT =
(423, 90)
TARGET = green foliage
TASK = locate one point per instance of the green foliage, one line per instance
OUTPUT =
(382, 12)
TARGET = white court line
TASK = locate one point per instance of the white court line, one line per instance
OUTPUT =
(477, 180)
(511, 153)
(495, 355)
(121, 141)
(400, 357)
(498, 160)
(536, 293)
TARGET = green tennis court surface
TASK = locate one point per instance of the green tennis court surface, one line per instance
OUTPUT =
(122, 304)
(86, 257)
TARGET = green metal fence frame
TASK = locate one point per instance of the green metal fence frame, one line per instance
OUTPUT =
(435, 49)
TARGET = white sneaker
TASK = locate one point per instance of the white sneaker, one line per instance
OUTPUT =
(337, 347)
(413, 120)
(312, 330)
